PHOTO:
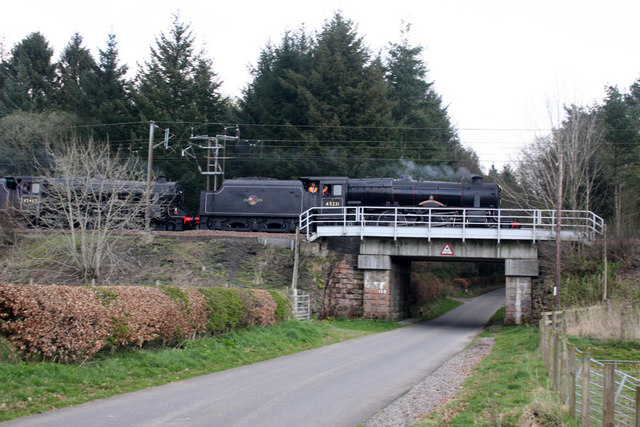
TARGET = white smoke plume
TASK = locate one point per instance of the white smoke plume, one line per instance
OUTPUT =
(434, 173)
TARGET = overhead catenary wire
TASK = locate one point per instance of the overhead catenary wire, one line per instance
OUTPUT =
(345, 146)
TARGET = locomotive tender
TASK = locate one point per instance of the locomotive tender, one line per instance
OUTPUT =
(259, 204)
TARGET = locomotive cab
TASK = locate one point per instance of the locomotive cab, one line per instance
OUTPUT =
(326, 192)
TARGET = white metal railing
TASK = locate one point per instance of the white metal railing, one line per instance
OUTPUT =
(468, 223)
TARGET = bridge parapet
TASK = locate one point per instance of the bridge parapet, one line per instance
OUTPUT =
(429, 223)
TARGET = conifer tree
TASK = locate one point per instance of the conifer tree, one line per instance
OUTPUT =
(178, 83)
(77, 79)
(621, 152)
(29, 77)
(111, 93)
(175, 88)
(348, 104)
(275, 97)
(425, 134)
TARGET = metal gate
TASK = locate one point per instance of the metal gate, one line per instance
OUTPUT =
(302, 306)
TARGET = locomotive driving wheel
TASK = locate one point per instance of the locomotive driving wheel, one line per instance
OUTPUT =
(388, 218)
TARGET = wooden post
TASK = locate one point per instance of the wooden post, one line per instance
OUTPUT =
(550, 351)
(543, 340)
(147, 210)
(586, 389)
(554, 360)
(605, 270)
(296, 260)
(608, 410)
(541, 336)
(638, 406)
(562, 372)
(572, 380)
(556, 288)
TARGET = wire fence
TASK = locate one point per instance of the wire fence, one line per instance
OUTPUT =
(596, 392)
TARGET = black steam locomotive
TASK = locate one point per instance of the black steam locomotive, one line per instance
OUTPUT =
(28, 196)
(254, 204)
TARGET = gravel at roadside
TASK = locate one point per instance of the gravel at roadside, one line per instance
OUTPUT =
(434, 390)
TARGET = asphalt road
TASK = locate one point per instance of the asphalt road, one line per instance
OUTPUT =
(338, 385)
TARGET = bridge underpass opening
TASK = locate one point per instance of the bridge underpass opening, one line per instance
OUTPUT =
(399, 289)
(386, 267)
(432, 279)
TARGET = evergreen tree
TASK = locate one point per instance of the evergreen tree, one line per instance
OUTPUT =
(77, 79)
(175, 88)
(348, 105)
(178, 83)
(340, 64)
(338, 110)
(425, 133)
(274, 98)
(619, 118)
(111, 96)
(28, 77)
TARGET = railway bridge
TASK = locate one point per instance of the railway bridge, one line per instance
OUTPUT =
(390, 238)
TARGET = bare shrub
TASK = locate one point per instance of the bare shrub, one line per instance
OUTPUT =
(264, 308)
(426, 289)
(56, 322)
(144, 314)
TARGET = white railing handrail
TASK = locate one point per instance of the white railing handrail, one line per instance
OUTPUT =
(520, 224)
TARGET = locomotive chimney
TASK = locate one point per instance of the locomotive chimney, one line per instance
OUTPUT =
(476, 179)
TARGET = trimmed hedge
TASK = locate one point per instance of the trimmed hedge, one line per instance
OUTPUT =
(66, 323)
(283, 311)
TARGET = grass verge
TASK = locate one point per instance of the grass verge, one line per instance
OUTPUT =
(509, 387)
(29, 388)
(435, 309)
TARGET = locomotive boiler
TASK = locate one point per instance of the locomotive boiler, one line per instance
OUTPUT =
(255, 204)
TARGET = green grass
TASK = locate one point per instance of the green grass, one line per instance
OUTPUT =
(28, 388)
(602, 349)
(498, 316)
(509, 384)
(369, 325)
(438, 308)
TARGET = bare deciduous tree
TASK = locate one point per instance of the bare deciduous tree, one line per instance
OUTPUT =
(89, 194)
(579, 139)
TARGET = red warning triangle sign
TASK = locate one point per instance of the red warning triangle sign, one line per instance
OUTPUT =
(446, 250)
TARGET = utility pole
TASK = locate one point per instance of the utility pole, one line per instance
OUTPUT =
(556, 288)
(147, 211)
